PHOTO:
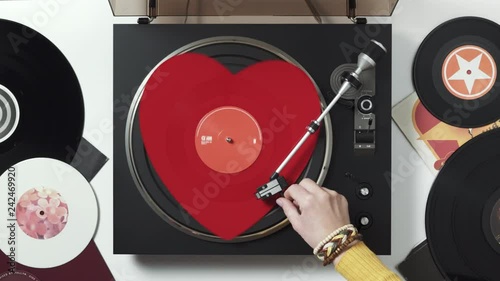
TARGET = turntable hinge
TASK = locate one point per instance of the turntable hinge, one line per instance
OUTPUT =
(351, 12)
(152, 13)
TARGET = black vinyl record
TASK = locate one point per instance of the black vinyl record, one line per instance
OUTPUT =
(41, 102)
(463, 212)
(455, 72)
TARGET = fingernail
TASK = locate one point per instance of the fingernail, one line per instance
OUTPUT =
(279, 202)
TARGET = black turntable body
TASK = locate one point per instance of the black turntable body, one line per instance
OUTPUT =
(353, 154)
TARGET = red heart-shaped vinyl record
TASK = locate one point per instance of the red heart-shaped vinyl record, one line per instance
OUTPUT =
(214, 137)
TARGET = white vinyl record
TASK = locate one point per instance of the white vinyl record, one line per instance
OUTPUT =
(49, 213)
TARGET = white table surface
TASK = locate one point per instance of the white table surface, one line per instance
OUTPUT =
(82, 29)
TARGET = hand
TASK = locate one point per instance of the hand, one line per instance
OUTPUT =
(314, 211)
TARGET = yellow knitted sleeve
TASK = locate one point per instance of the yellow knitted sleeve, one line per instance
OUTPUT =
(359, 263)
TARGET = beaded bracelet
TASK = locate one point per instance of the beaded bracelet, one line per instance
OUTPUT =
(337, 244)
(341, 248)
(330, 237)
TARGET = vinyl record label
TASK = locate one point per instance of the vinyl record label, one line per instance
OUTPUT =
(9, 113)
(469, 72)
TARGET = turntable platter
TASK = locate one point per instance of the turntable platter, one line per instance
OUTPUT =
(236, 54)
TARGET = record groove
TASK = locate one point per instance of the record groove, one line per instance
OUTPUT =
(459, 215)
(41, 102)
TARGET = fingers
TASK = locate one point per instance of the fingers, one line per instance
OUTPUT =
(310, 185)
(336, 196)
(296, 193)
(315, 189)
(291, 211)
(331, 192)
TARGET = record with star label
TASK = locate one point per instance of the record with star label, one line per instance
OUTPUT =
(455, 72)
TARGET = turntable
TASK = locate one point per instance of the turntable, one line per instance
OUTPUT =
(351, 152)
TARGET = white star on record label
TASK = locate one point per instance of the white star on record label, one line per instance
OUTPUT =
(469, 72)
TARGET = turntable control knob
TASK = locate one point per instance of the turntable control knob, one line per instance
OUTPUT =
(365, 105)
(364, 191)
(364, 220)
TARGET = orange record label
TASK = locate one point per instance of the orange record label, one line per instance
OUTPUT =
(469, 72)
(228, 135)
